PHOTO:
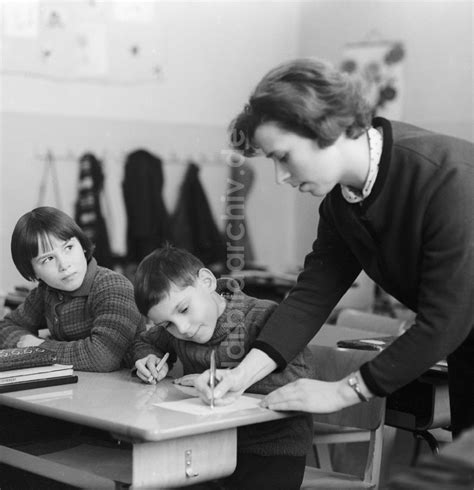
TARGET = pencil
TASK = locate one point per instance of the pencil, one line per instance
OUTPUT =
(212, 376)
(160, 364)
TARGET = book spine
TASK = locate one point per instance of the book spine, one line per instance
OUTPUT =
(39, 383)
(34, 376)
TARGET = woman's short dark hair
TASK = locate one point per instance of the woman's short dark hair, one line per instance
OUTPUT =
(307, 97)
(39, 225)
(159, 271)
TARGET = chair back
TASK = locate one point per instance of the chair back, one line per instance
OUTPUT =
(332, 364)
(350, 317)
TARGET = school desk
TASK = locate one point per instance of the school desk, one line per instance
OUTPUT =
(160, 448)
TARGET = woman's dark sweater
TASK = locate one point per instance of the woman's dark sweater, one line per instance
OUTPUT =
(414, 236)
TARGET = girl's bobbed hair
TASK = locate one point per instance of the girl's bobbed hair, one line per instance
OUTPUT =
(37, 226)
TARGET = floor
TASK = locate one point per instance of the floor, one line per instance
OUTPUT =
(351, 459)
(401, 456)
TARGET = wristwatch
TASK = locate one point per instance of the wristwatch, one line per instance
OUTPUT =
(354, 384)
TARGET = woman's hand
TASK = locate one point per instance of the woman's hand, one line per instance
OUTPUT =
(146, 369)
(307, 395)
(29, 341)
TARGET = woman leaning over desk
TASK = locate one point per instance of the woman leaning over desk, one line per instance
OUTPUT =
(398, 204)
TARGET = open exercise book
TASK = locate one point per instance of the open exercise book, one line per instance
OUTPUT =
(36, 377)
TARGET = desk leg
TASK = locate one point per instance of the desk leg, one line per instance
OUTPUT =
(184, 461)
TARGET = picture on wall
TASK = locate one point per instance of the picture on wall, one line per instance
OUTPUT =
(379, 64)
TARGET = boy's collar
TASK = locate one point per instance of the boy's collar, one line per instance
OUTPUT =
(227, 287)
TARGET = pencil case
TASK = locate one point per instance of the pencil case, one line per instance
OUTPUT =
(25, 357)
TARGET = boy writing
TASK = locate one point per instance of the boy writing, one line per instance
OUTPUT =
(194, 313)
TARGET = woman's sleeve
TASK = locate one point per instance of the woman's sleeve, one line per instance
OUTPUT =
(27, 319)
(329, 271)
(115, 321)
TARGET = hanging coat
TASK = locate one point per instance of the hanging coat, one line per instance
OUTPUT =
(194, 228)
(147, 217)
(88, 212)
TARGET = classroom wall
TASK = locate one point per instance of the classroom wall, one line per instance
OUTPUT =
(211, 55)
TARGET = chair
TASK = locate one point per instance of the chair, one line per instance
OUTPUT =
(330, 435)
(453, 468)
(359, 422)
(422, 407)
(361, 320)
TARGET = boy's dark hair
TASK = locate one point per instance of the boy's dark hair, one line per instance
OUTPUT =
(306, 97)
(40, 224)
(159, 271)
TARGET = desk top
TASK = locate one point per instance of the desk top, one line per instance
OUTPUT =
(123, 405)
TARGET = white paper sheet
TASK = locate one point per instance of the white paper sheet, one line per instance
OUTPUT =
(196, 406)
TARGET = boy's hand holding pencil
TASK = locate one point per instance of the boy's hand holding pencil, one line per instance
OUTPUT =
(152, 369)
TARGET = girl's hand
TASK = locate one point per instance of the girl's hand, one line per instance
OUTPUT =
(307, 395)
(146, 369)
(29, 341)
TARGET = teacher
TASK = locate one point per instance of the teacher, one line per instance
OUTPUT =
(398, 204)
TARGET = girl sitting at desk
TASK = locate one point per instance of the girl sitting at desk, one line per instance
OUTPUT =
(89, 310)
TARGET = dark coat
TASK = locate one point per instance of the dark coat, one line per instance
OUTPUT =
(147, 217)
(194, 228)
(88, 211)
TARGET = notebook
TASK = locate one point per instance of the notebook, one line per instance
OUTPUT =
(25, 357)
(38, 383)
(377, 343)
(35, 373)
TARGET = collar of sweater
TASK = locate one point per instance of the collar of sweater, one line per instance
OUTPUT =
(237, 306)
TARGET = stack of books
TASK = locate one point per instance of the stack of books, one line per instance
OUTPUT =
(16, 297)
(32, 367)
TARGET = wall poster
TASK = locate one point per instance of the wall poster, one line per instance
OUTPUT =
(380, 66)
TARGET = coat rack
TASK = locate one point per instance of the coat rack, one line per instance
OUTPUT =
(172, 158)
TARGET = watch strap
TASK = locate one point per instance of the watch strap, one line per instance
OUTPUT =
(354, 384)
